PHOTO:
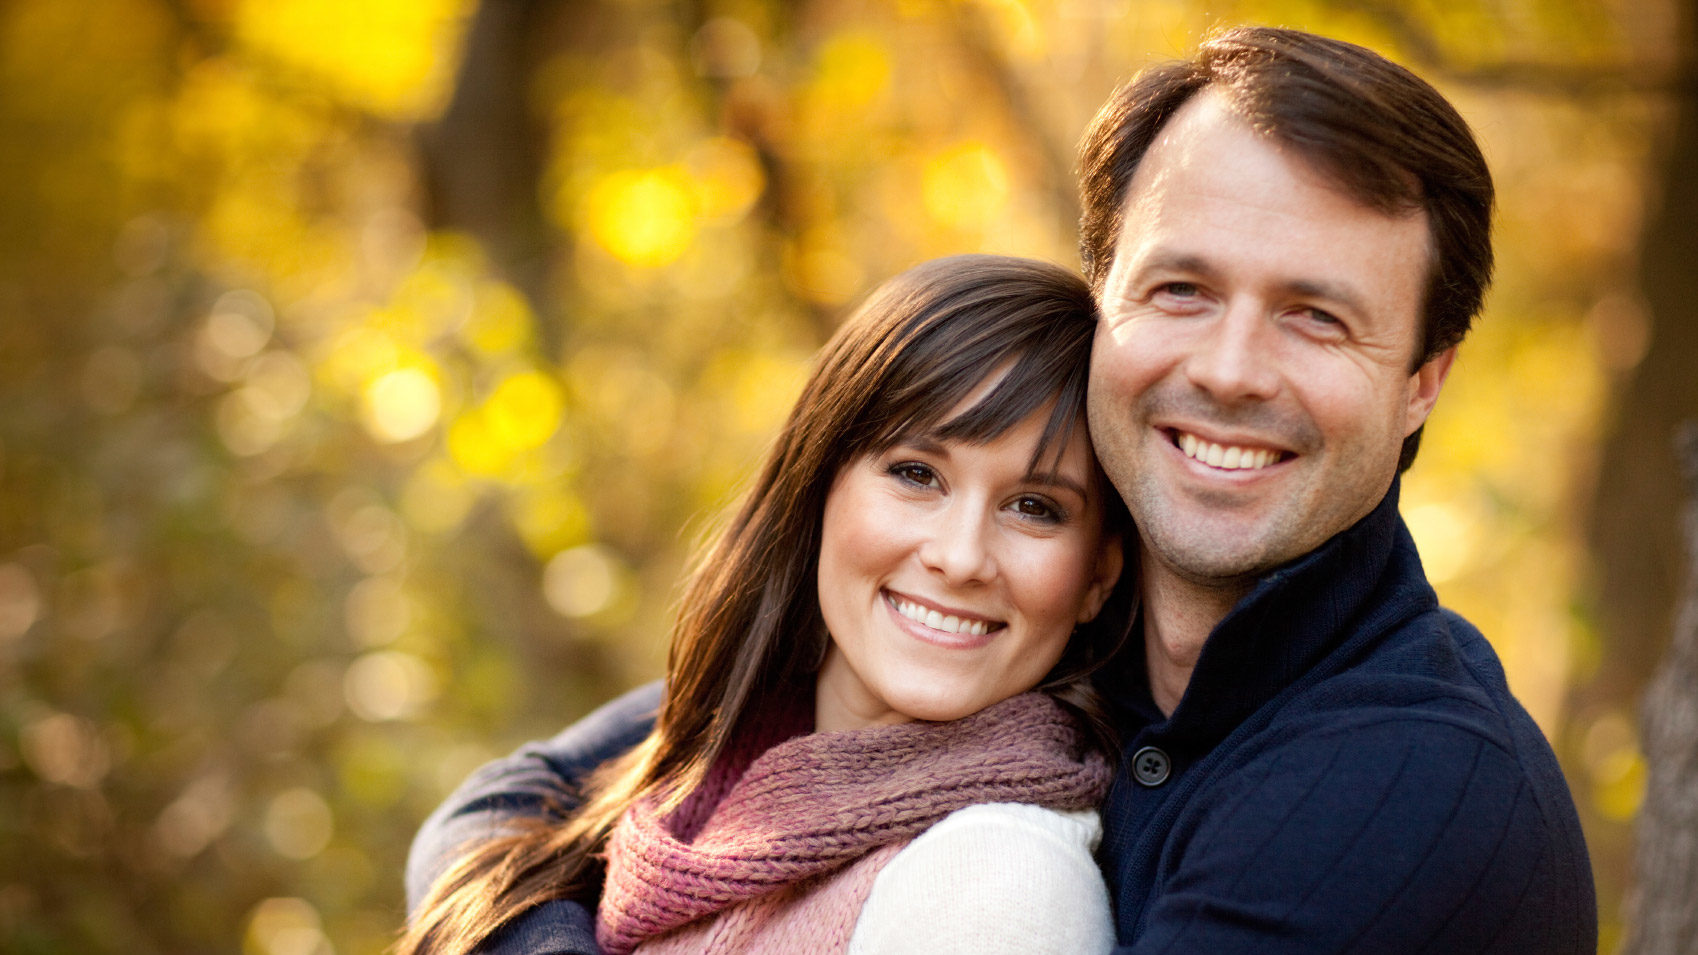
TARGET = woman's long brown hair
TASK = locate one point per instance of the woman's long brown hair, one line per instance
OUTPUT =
(749, 623)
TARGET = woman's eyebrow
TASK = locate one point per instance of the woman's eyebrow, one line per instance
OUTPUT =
(923, 443)
(1062, 481)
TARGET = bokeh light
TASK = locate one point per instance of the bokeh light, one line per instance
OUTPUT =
(402, 404)
(580, 582)
(389, 685)
(643, 217)
(299, 823)
(286, 926)
(20, 601)
(65, 749)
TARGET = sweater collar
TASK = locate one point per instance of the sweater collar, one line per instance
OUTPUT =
(1325, 605)
(814, 803)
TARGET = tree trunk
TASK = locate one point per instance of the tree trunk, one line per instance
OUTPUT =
(483, 160)
(1638, 546)
(1666, 920)
(1633, 534)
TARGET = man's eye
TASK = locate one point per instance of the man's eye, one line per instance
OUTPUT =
(1178, 289)
(1322, 322)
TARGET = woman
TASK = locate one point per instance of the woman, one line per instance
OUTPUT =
(846, 738)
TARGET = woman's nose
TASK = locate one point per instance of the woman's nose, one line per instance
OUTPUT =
(957, 545)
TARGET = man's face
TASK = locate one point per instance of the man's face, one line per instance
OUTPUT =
(1250, 382)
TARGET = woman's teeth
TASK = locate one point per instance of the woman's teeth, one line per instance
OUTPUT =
(937, 621)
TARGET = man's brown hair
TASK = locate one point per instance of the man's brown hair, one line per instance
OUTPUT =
(1380, 132)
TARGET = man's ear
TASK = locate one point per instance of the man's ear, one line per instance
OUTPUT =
(1111, 559)
(1424, 386)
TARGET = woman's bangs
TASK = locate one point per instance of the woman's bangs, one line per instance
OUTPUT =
(1029, 385)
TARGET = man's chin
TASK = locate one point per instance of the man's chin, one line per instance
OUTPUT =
(1218, 553)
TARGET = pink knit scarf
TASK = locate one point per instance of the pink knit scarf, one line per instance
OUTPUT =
(812, 804)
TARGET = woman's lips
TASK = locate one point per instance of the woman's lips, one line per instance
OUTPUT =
(954, 623)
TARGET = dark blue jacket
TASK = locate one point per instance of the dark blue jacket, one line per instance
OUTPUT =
(1347, 772)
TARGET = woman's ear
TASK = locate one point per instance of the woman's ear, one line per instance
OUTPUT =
(1111, 559)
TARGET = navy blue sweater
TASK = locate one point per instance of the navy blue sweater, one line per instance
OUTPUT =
(1347, 772)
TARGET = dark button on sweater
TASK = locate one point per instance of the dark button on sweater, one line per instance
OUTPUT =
(1150, 766)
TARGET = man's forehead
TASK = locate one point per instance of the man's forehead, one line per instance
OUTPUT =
(1211, 174)
(1209, 148)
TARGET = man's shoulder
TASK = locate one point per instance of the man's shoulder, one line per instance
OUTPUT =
(1428, 704)
(1378, 830)
(1432, 673)
(1417, 798)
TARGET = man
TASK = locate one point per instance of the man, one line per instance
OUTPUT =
(1289, 236)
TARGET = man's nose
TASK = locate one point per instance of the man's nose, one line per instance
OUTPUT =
(958, 544)
(1234, 360)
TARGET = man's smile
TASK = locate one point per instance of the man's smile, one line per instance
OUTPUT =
(1226, 457)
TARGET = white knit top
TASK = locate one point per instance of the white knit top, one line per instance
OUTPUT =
(992, 878)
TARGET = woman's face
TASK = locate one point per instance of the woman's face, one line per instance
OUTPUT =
(950, 578)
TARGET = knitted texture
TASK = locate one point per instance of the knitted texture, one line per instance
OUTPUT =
(821, 914)
(811, 805)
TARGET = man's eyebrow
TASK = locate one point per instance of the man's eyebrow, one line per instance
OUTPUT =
(1174, 261)
(1330, 291)
(1155, 261)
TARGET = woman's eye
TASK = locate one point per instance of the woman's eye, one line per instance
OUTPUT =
(1037, 507)
(916, 474)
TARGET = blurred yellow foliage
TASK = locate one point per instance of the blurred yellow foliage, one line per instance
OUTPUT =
(727, 177)
(475, 448)
(500, 320)
(436, 498)
(852, 72)
(524, 410)
(645, 217)
(317, 492)
(1621, 787)
(392, 57)
(551, 517)
(966, 187)
(401, 405)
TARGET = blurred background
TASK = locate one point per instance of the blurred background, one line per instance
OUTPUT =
(367, 371)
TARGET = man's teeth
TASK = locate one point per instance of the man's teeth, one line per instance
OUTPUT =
(1226, 457)
(938, 621)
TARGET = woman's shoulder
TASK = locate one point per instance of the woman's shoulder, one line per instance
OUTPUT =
(1078, 827)
(994, 877)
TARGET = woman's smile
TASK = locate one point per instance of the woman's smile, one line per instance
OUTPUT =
(952, 623)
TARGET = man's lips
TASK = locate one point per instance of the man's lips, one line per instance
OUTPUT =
(947, 622)
(1225, 457)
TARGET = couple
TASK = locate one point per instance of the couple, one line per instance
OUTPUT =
(896, 675)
